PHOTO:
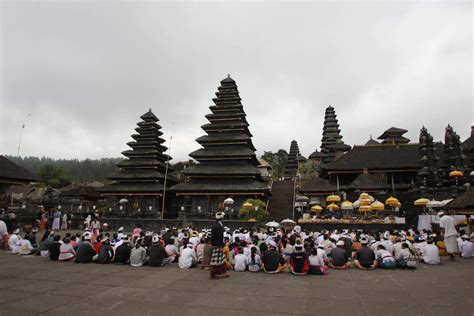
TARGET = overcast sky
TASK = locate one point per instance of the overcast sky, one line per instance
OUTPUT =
(86, 71)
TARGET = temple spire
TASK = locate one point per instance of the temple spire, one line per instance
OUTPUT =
(227, 164)
(292, 163)
(332, 145)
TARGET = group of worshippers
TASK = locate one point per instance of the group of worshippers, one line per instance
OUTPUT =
(272, 250)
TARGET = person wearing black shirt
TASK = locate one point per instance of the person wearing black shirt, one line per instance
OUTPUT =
(85, 252)
(217, 266)
(122, 253)
(365, 257)
(157, 254)
(272, 261)
(299, 261)
(106, 252)
(339, 257)
(54, 248)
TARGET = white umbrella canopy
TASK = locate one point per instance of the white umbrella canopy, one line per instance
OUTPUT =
(347, 206)
(314, 202)
(288, 222)
(434, 204)
(123, 201)
(272, 224)
(302, 198)
(229, 201)
(444, 202)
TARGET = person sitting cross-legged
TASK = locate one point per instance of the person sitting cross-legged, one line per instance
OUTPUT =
(365, 256)
(299, 261)
(188, 257)
(339, 257)
(241, 261)
(106, 252)
(384, 258)
(316, 263)
(157, 255)
(272, 261)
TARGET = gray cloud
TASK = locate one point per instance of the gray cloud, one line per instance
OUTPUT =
(86, 71)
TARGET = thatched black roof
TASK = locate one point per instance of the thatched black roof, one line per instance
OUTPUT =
(317, 185)
(317, 155)
(464, 201)
(366, 181)
(11, 173)
(377, 157)
(391, 131)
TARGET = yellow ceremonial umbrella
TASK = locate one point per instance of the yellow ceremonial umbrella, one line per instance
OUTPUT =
(363, 195)
(392, 201)
(347, 205)
(365, 201)
(377, 206)
(316, 208)
(365, 208)
(247, 205)
(333, 198)
(332, 207)
(421, 202)
(456, 173)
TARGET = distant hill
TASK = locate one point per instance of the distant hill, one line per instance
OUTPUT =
(73, 169)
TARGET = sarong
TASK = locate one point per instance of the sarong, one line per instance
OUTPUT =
(451, 244)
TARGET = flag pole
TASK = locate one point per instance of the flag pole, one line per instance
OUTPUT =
(21, 135)
(166, 173)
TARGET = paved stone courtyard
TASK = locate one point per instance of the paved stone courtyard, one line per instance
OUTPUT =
(34, 285)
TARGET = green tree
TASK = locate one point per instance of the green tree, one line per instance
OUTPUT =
(277, 161)
(257, 211)
(53, 176)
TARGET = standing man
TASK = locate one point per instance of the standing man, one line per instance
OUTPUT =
(218, 258)
(449, 233)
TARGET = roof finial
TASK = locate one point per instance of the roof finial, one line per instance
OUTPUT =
(149, 110)
(228, 75)
(370, 136)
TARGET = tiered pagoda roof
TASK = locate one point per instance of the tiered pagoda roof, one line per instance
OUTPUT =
(292, 161)
(394, 136)
(332, 143)
(143, 173)
(227, 161)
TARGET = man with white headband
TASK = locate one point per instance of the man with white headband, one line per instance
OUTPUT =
(449, 233)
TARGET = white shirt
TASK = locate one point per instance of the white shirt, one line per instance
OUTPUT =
(467, 249)
(172, 251)
(381, 254)
(14, 243)
(322, 255)
(240, 262)
(388, 245)
(188, 256)
(194, 240)
(3, 229)
(431, 254)
(316, 261)
(447, 222)
(25, 247)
